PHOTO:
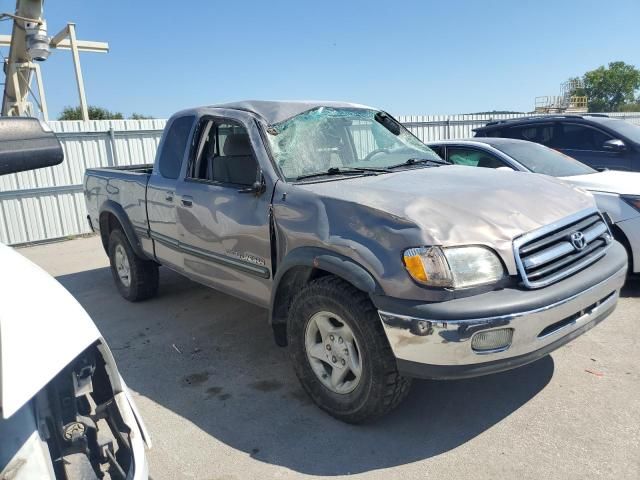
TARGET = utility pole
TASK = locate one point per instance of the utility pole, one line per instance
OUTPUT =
(16, 67)
(29, 43)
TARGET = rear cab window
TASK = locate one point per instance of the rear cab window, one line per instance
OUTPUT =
(173, 148)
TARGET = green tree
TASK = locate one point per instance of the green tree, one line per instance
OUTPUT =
(95, 113)
(139, 116)
(611, 88)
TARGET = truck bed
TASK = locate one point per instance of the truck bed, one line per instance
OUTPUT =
(142, 168)
(125, 186)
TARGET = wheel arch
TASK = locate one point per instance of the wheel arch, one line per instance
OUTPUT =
(621, 237)
(300, 267)
(112, 216)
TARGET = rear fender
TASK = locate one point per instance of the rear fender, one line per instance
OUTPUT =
(121, 216)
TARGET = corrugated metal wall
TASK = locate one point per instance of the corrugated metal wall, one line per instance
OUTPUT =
(48, 203)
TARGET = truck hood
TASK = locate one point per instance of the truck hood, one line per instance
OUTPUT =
(610, 181)
(42, 329)
(457, 205)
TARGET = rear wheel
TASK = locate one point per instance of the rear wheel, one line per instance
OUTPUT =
(341, 354)
(136, 278)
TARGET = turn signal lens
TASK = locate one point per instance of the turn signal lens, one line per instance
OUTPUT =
(414, 265)
(428, 266)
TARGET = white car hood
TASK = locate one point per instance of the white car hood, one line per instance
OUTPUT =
(610, 181)
(42, 329)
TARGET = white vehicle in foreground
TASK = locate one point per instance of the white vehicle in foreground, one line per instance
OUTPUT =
(617, 193)
(65, 411)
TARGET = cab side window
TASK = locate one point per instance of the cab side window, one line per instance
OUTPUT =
(473, 158)
(175, 142)
(581, 137)
(223, 154)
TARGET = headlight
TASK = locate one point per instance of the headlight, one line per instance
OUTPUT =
(455, 267)
(632, 200)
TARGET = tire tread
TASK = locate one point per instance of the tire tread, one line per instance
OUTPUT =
(394, 386)
(144, 273)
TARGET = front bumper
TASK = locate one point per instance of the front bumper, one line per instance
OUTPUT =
(440, 345)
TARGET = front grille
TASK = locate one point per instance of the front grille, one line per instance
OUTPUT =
(570, 320)
(554, 252)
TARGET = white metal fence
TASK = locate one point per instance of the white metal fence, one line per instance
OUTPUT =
(47, 204)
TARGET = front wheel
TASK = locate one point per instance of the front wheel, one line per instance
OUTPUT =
(136, 278)
(341, 354)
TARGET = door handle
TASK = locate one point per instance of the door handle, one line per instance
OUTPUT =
(187, 201)
(168, 196)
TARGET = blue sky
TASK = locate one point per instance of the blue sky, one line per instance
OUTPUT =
(408, 57)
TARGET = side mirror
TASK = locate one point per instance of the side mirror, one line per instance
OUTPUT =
(26, 144)
(506, 169)
(614, 145)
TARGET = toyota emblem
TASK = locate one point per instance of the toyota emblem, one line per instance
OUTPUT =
(578, 241)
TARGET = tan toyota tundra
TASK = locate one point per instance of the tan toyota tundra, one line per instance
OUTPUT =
(377, 260)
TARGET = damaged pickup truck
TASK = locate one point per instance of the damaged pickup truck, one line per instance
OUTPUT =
(377, 260)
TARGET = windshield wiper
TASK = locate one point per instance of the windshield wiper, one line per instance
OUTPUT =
(415, 161)
(344, 171)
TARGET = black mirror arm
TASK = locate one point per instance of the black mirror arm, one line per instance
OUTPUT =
(258, 187)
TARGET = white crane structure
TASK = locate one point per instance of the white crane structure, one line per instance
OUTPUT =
(29, 45)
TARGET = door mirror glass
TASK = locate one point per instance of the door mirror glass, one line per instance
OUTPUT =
(27, 144)
(614, 145)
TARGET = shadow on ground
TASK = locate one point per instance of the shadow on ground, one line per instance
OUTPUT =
(631, 288)
(210, 359)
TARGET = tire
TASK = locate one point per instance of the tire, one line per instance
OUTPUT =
(141, 282)
(373, 386)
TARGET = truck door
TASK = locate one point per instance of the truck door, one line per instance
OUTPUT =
(223, 222)
(161, 191)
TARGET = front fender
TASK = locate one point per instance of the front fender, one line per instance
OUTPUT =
(323, 259)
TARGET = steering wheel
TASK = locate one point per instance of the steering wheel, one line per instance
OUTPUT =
(373, 153)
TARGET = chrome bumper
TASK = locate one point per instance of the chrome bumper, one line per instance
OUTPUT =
(437, 343)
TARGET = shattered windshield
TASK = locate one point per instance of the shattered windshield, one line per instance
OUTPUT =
(339, 139)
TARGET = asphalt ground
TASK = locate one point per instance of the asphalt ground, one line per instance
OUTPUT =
(221, 400)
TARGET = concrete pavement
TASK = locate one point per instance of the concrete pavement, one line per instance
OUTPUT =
(222, 402)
